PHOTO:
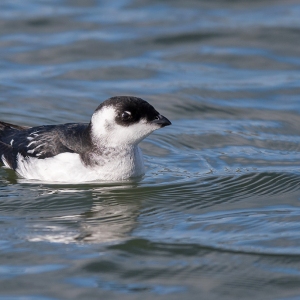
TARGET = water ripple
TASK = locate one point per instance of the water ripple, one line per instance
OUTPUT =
(208, 213)
(217, 212)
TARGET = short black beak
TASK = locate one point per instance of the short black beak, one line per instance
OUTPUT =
(161, 120)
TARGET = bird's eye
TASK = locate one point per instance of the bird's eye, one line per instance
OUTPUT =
(126, 115)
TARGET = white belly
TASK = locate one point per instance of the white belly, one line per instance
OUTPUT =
(68, 167)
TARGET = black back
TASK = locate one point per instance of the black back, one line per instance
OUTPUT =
(42, 141)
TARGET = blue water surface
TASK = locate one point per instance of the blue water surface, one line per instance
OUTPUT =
(217, 214)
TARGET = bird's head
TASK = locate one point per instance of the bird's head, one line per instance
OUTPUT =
(125, 121)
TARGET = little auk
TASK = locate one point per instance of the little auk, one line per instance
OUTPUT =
(106, 148)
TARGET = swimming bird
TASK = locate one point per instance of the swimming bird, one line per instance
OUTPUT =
(106, 148)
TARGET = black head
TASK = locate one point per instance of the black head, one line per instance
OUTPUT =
(130, 110)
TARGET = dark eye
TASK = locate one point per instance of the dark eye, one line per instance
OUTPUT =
(126, 115)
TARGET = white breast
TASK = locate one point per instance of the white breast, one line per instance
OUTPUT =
(68, 167)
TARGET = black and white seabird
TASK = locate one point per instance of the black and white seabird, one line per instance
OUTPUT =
(104, 149)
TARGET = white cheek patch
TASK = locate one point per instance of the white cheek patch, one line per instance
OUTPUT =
(108, 133)
(108, 126)
(103, 119)
(130, 135)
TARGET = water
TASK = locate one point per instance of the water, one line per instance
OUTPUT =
(217, 214)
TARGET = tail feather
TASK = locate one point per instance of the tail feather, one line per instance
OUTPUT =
(5, 126)
(8, 129)
(6, 156)
(6, 150)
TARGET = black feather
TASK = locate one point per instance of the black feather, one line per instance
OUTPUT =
(43, 141)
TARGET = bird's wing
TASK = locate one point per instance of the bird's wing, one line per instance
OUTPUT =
(41, 142)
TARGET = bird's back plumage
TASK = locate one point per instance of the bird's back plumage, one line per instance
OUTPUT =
(42, 141)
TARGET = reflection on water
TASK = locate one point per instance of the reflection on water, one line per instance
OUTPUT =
(72, 215)
(217, 212)
(242, 213)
